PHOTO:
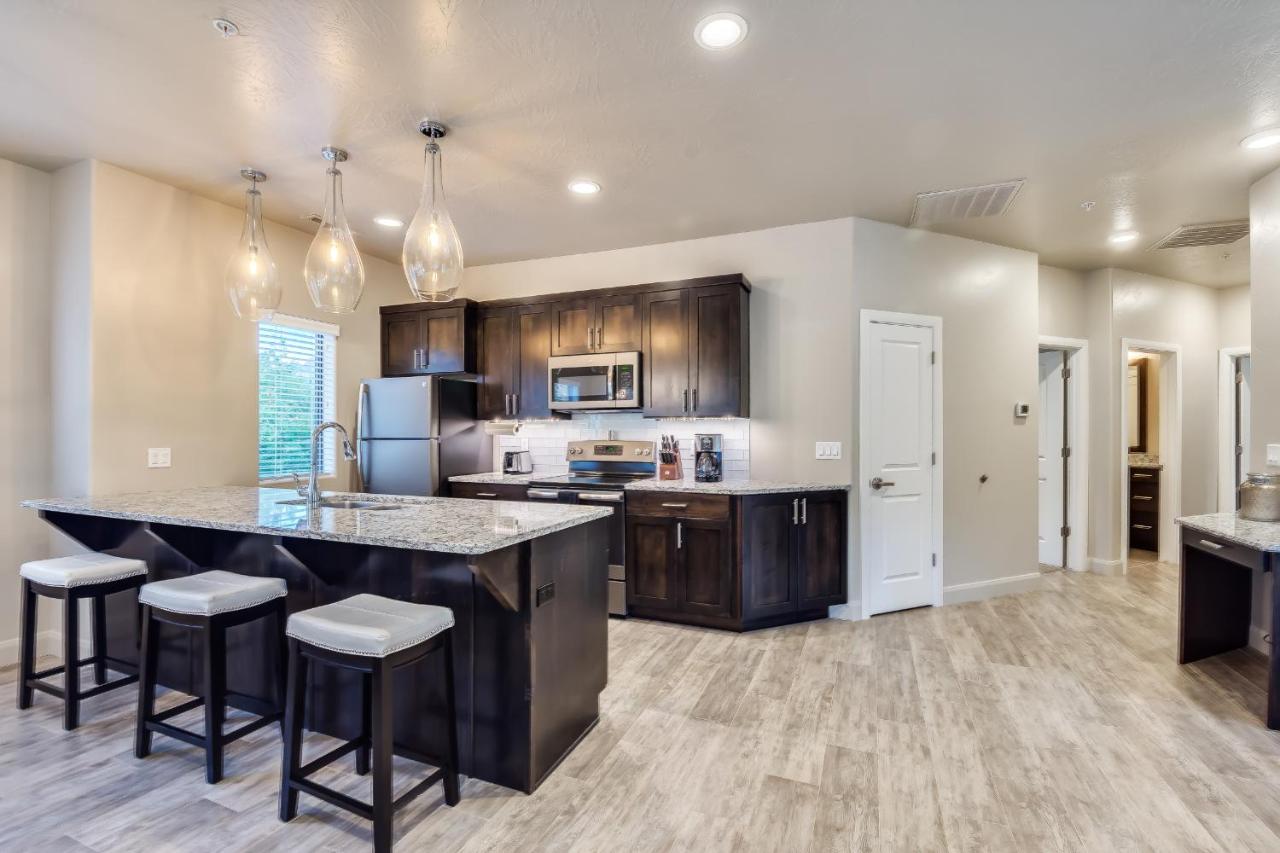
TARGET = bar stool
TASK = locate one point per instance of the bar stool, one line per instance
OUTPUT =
(92, 576)
(212, 602)
(372, 635)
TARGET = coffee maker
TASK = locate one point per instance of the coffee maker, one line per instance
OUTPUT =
(708, 458)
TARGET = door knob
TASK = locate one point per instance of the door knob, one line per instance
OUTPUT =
(877, 484)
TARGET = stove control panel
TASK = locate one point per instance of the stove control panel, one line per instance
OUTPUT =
(595, 450)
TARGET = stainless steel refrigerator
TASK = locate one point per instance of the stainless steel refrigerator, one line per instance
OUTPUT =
(414, 433)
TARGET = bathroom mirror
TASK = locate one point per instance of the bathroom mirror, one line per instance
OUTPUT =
(1136, 403)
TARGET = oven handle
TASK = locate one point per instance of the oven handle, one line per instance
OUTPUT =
(544, 494)
(610, 497)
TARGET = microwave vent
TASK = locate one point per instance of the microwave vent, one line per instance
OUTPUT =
(964, 203)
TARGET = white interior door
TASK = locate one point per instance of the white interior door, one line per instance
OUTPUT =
(1244, 404)
(897, 454)
(1052, 440)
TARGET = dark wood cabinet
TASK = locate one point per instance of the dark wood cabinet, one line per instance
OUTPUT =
(719, 352)
(736, 562)
(587, 324)
(489, 491)
(418, 340)
(533, 349)
(497, 362)
(1144, 508)
(515, 343)
(664, 318)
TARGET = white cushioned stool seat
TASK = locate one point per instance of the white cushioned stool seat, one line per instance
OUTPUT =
(82, 570)
(369, 625)
(211, 592)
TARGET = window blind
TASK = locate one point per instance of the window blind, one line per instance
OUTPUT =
(296, 381)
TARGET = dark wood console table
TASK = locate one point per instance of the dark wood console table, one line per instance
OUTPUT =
(1220, 553)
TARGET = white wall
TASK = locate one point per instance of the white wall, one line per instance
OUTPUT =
(1064, 307)
(1234, 316)
(987, 298)
(25, 404)
(1264, 281)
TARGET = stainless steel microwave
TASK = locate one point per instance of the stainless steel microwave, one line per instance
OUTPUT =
(607, 380)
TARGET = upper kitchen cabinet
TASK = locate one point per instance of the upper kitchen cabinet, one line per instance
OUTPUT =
(421, 339)
(515, 343)
(696, 351)
(588, 324)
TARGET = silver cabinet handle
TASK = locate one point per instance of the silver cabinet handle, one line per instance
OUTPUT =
(686, 399)
(1143, 498)
(544, 494)
(795, 511)
(359, 460)
(675, 506)
(1214, 545)
(679, 534)
(695, 399)
(1143, 476)
(515, 404)
(486, 494)
(804, 510)
(877, 484)
(1142, 527)
(608, 497)
(511, 409)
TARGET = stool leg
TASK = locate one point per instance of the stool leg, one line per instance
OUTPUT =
(382, 752)
(70, 661)
(215, 687)
(27, 645)
(294, 709)
(451, 793)
(282, 663)
(366, 723)
(147, 663)
(99, 639)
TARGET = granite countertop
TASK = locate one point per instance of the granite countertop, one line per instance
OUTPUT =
(494, 478)
(1145, 460)
(1146, 466)
(733, 487)
(1258, 535)
(448, 525)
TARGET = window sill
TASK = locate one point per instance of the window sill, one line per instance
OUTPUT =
(288, 481)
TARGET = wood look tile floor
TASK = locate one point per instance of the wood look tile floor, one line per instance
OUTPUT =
(1053, 720)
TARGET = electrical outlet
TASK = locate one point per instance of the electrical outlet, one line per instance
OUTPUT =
(1273, 455)
(159, 457)
(827, 450)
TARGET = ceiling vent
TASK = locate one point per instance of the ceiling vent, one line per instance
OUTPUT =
(1206, 234)
(965, 203)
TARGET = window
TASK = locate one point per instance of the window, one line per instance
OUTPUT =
(295, 393)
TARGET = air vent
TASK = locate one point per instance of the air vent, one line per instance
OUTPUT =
(1206, 234)
(965, 203)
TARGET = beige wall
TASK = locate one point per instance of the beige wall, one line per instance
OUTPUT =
(986, 296)
(1064, 307)
(25, 404)
(1234, 316)
(1264, 279)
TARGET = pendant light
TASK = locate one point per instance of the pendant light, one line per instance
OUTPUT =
(251, 277)
(432, 255)
(333, 269)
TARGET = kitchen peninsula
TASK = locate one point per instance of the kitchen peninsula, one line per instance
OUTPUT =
(526, 584)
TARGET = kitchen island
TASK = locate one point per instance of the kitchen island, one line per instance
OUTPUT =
(526, 583)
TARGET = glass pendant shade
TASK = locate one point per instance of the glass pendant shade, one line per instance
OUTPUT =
(432, 255)
(252, 282)
(333, 269)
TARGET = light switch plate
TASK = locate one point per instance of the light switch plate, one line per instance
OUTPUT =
(827, 450)
(159, 457)
(1273, 454)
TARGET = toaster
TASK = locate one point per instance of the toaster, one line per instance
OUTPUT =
(517, 462)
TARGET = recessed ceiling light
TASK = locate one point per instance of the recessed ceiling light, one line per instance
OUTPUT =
(1262, 139)
(584, 187)
(227, 28)
(1121, 238)
(389, 221)
(720, 31)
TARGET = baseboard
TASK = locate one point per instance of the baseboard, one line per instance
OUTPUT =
(979, 590)
(851, 612)
(1106, 567)
(47, 643)
(1257, 635)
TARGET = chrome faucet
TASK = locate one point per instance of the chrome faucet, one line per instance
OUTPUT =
(312, 490)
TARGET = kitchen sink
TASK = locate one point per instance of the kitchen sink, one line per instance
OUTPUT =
(342, 503)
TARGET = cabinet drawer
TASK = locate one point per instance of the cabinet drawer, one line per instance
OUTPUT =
(678, 505)
(489, 491)
(1222, 549)
(1144, 503)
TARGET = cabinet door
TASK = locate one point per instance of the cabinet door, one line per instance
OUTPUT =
(822, 549)
(717, 353)
(533, 348)
(572, 322)
(444, 340)
(617, 324)
(401, 344)
(497, 362)
(770, 585)
(651, 563)
(706, 567)
(664, 320)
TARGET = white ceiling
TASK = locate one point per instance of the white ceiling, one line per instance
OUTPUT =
(829, 108)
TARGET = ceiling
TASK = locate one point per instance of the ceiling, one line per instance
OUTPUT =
(829, 108)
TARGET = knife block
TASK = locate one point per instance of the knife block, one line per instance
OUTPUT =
(674, 471)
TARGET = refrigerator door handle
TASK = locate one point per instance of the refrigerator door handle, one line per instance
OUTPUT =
(359, 460)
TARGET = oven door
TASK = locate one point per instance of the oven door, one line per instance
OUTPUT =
(581, 382)
(617, 542)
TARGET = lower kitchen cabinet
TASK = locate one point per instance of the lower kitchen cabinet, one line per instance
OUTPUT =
(737, 562)
(489, 491)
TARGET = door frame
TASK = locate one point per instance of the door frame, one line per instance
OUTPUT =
(1077, 350)
(866, 318)
(1227, 357)
(1170, 445)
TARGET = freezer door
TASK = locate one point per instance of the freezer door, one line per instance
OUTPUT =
(398, 408)
(390, 466)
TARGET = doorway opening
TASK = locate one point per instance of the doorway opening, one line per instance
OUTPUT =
(1063, 454)
(1235, 399)
(1151, 450)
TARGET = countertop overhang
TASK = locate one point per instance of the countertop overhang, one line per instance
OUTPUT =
(445, 525)
(1258, 535)
(724, 487)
